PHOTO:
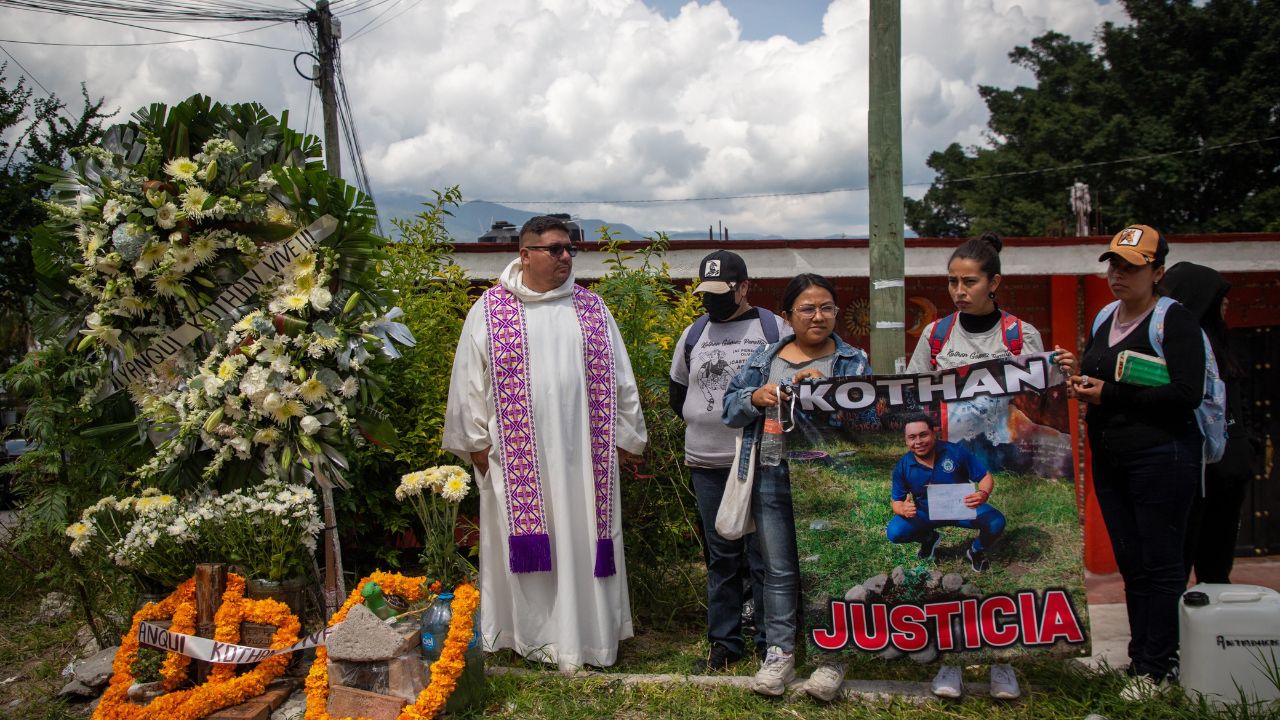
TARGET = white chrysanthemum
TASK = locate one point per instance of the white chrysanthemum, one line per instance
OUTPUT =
(132, 305)
(288, 410)
(312, 390)
(349, 388)
(152, 504)
(267, 436)
(193, 201)
(181, 168)
(266, 182)
(455, 489)
(167, 216)
(169, 285)
(184, 259)
(111, 210)
(411, 484)
(295, 302)
(276, 213)
(204, 248)
(310, 424)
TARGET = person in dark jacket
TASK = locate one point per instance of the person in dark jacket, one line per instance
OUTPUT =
(1215, 512)
(1146, 446)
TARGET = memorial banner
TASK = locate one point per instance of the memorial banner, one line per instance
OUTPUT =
(228, 303)
(978, 564)
(193, 646)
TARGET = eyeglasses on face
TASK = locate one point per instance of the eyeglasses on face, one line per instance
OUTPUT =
(808, 311)
(555, 251)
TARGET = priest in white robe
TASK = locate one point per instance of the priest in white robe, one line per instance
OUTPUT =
(543, 403)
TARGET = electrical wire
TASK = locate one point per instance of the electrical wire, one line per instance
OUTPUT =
(362, 32)
(140, 44)
(61, 107)
(861, 188)
(191, 10)
(175, 32)
(374, 19)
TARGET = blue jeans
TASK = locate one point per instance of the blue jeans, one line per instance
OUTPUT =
(776, 538)
(1145, 498)
(989, 523)
(725, 560)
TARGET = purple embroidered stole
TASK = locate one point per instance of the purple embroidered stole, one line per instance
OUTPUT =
(528, 543)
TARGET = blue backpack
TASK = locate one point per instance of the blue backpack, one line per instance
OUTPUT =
(1010, 333)
(1211, 415)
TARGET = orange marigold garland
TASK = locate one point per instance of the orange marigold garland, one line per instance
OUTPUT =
(223, 688)
(444, 672)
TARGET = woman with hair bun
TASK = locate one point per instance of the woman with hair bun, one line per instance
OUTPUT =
(979, 330)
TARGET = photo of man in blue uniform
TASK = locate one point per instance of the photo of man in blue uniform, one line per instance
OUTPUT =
(937, 462)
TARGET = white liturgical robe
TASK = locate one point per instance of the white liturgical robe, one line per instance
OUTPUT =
(566, 616)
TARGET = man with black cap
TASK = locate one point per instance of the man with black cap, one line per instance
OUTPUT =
(709, 354)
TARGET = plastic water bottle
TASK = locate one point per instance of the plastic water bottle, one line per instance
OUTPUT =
(435, 628)
(773, 441)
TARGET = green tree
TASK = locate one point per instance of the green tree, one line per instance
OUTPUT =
(1170, 120)
(34, 132)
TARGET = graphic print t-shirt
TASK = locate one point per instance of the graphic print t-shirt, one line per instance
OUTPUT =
(720, 353)
(966, 348)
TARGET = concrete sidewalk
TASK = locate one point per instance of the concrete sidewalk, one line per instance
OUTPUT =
(1109, 624)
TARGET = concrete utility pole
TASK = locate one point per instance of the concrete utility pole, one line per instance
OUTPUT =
(327, 33)
(884, 165)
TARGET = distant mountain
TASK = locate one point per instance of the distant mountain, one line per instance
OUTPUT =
(473, 219)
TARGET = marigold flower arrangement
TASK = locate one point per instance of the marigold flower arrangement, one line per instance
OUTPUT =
(444, 672)
(434, 494)
(223, 687)
(167, 212)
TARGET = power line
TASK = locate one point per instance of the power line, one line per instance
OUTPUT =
(61, 107)
(182, 34)
(362, 32)
(860, 188)
(140, 44)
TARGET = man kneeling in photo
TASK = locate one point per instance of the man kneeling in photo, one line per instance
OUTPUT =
(931, 463)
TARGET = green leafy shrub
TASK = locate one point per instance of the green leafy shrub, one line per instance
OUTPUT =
(659, 515)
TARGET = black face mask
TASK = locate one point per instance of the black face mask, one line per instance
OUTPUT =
(720, 306)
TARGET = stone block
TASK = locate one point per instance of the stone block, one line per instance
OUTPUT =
(363, 637)
(96, 670)
(350, 702)
(951, 582)
(857, 593)
(898, 577)
(877, 585)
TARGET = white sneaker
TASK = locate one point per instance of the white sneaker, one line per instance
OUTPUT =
(779, 668)
(1141, 688)
(1004, 683)
(948, 683)
(824, 683)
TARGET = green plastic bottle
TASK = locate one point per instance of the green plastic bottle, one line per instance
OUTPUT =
(376, 603)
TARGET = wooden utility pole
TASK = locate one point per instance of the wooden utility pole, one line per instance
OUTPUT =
(327, 34)
(884, 165)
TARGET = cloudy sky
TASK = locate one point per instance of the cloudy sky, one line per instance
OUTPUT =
(573, 100)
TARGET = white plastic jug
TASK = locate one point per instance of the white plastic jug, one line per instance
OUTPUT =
(1228, 635)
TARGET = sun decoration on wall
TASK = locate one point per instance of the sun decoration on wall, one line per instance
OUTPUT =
(857, 318)
(923, 312)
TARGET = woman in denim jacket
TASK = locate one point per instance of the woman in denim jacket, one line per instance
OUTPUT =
(809, 306)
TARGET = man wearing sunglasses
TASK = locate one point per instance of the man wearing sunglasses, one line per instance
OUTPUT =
(543, 403)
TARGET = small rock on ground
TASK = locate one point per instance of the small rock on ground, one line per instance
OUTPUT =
(95, 671)
(293, 709)
(55, 606)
